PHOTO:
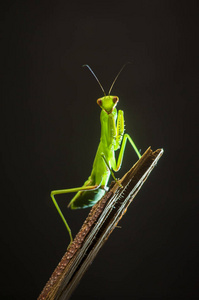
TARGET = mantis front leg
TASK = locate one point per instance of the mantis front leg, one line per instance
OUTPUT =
(120, 132)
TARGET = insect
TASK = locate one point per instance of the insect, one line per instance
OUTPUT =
(112, 138)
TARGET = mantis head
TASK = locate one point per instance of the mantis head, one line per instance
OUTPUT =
(108, 103)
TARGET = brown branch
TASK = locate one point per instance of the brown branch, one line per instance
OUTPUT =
(96, 229)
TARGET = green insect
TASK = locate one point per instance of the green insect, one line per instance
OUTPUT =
(112, 137)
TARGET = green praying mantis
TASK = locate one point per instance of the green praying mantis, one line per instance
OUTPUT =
(112, 138)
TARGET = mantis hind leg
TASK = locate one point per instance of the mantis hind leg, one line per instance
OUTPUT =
(123, 146)
(65, 191)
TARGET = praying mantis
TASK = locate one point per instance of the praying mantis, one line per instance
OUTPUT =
(112, 138)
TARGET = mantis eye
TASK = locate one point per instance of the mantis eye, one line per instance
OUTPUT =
(99, 102)
(115, 99)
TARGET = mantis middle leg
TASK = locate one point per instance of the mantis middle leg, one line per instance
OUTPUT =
(121, 154)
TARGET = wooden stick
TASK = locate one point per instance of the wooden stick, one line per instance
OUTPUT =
(96, 229)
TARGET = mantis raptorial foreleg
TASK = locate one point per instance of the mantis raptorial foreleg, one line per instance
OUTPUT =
(65, 191)
(120, 129)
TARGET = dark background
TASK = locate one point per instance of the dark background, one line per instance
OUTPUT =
(50, 132)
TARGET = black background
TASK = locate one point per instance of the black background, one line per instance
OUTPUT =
(50, 132)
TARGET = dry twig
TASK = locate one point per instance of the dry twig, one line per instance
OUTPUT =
(96, 229)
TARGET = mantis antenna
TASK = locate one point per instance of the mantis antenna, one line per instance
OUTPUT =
(117, 77)
(95, 78)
